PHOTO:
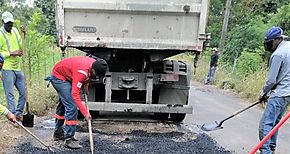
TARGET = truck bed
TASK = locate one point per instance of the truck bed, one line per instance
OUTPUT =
(132, 24)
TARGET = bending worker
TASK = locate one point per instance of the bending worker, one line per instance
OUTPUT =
(68, 77)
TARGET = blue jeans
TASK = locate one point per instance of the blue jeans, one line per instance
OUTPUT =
(273, 113)
(210, 75)
(66, 108)
(10, 79)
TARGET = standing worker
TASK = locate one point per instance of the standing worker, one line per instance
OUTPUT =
(10, 48)
(212, 67)
(68, 77)
(277, 86)
(3, 110)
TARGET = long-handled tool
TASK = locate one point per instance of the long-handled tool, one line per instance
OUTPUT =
(28, 119)
(218, 125)
(90, 127)
(34, 136)
(270, 134)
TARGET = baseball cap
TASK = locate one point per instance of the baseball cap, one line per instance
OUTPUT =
(7, 17)
(214, 49)
(273, 33)
(100, 66)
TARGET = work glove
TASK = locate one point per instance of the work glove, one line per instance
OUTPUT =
(11, 117)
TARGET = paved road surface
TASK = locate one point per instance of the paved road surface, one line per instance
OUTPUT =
(240, 133)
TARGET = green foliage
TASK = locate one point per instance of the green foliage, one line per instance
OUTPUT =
(249, 20)
(215, 20)
(38, 47)
(282, 18)
(248, 63)
(47, 7)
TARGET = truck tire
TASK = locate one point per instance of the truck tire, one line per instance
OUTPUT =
(161, 116)
(177, 117)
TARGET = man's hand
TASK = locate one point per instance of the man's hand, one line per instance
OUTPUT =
(23, 28)
(11, 117)
(16, 53)
(263, 98)
(88, 117)
(1, 65)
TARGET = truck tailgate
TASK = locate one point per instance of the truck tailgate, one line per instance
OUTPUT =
(132, 24)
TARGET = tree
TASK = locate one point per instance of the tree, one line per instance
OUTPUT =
(47, 8)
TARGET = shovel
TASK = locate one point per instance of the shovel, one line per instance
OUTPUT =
(28, 119)
(34, 136)
(218, 125)
(90, 127)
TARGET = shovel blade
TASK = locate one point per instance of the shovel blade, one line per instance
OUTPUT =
(28, 120)
(211, 126)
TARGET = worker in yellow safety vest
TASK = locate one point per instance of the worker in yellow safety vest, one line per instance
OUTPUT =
(12, 75)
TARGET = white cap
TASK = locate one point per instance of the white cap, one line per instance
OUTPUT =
(7, 17)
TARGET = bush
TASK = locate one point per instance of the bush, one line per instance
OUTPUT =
(248, 63)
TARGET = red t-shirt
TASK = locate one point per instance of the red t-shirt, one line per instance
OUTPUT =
(77, 71)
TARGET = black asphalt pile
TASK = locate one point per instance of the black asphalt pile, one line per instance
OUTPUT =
(137, 141)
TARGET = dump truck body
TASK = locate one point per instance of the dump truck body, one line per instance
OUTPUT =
(135, 37)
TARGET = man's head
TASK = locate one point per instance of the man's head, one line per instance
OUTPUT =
(7, 19)
(99, 68)
(214, 50)
(273, 37)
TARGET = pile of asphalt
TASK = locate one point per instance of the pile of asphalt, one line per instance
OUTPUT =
(137, 141)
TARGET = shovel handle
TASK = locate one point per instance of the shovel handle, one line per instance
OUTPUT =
(90, 127)
(240, 111)
(23, 60)
(29, 132)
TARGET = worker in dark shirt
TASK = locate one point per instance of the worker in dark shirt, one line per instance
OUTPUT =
(213, 65)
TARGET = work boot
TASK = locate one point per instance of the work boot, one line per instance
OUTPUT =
(58, 135)
(72, 144)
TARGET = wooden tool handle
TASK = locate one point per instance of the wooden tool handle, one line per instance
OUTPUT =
(90, 126)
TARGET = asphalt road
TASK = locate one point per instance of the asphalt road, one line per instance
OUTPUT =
(240, 133)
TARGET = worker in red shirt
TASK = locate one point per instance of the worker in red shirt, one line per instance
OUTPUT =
(68, 77)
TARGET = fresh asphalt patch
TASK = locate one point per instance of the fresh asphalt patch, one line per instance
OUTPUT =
(136, 141)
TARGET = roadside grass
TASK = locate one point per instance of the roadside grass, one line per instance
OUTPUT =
(247, 87)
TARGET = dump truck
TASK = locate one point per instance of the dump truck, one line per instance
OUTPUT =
(136, 38)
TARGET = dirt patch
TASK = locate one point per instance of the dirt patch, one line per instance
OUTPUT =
(9, 135)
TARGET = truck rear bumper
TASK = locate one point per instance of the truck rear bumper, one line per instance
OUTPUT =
(133, 107)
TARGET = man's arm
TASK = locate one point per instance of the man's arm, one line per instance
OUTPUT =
(77, 83)
(271, 80)
(7, 113)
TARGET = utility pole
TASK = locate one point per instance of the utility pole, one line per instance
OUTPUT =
(225, 26)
